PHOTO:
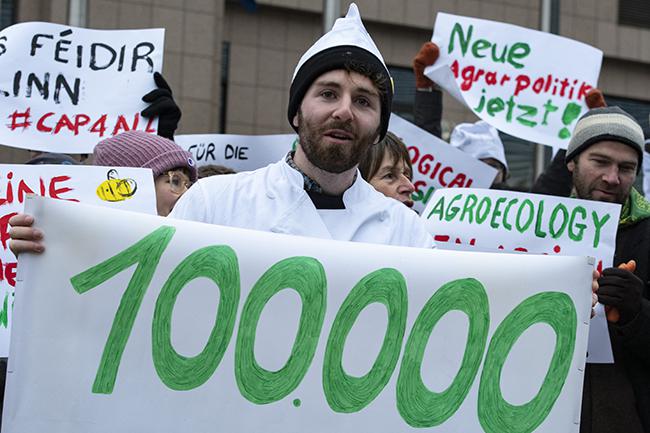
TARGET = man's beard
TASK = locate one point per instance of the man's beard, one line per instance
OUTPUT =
(585, 191)
(335, 157)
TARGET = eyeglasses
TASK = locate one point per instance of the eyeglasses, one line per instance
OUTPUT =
(178, 182)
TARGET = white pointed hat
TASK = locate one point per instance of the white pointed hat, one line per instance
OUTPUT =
(481, 140)
(347, 46)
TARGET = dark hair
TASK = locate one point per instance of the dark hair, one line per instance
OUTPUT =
(378, 77)
(391, 144)
(213, 170)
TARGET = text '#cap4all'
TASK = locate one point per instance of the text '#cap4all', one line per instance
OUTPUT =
(346, 43)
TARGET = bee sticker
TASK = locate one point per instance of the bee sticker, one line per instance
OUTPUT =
(115, 189)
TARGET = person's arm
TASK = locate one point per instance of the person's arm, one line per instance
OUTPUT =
(162, 105)
(427, 107)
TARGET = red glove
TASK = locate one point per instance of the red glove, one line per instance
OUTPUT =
(427, 56)
(595, 99)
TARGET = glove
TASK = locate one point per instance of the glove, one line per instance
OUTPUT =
(595, 99)
(427, 56)
(621, 289)
(162, 104)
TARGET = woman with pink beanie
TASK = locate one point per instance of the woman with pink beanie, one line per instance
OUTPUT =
(173, 168)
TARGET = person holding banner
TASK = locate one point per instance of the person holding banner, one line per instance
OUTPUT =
(604, 157)
(387, 167)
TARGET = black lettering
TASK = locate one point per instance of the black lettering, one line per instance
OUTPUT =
(35, 43)
(137, 56)
(72, 94)
(93, 56)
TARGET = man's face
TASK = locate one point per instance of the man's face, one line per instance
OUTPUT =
(338, 120)
(605, 171)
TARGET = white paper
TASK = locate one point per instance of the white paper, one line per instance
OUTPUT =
(132, 189)
(494, 220)
(436, 164)
(239, 152)
(70, 330)
(522, 81)
(63, 88)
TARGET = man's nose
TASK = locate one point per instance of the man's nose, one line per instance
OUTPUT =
(343, 110)
(611, 176)
(406, 186)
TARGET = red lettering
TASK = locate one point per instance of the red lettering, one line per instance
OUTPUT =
(40, 125)
(80, 120)
(150, 127)
(441, 178)
(22, 190)
(19, 120)
(120, 125)
(458, 181)
(99, 127)
(10, 273)
(582, 93)
(64, 121)
(418, 184)
(55, 193)
(454, 68)
(441, 238)
(423, 167)
(4, 229)
(522, 83)
(416, 155)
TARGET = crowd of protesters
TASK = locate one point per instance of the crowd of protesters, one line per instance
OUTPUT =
(350, 179)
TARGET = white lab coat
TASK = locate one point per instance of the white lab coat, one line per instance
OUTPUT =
(273, 199)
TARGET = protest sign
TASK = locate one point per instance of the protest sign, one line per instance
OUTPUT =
(490, 220)
(527, 83)
(120, 188)
(309, 334)
(436, 164)
(63, 88)
(239, 152)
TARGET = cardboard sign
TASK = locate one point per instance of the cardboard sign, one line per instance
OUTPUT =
(239, 152)
(182, 326)
(527, 83)
(436, 164)
(63, 88)
(489, 220)
(119, 188)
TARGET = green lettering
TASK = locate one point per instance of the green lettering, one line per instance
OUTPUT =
(486, 202)
(518, 51)
(522, 228)
(538, 224)
(306, 276)
(346, 393)
(495, 105)
(178, 372)
(438, 209)
(479, 45)
(146, 253)
(457, 30)
(452, 211)
(598, 225)
(505, 222)
(419, 406)
(496, 415)
(581, 227)
(496, 213)
(468, 207)
(565, 220)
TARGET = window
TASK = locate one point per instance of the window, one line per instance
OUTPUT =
(634, 13)
(7, 13)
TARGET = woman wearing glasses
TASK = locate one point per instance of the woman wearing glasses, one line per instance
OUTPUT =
(173, 168)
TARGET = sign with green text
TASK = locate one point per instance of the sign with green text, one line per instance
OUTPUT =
(171, 326)
(526, 83)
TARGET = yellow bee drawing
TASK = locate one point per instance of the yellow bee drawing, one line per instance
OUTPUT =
(114, 189)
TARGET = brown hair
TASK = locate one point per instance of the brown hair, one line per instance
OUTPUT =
(371, 161)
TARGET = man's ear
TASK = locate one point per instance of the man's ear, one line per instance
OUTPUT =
(294, 121)
(571, 165)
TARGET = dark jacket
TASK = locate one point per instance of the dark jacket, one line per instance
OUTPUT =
(427, 111)
(616, 397)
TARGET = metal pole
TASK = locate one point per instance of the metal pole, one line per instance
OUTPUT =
(331, 11)
(78, 13)
(549, 22)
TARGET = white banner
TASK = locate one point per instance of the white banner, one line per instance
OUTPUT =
(66, 88)
(526, 83)
(167, 326)
(491, 220)
(239, 152)
(436, 164)
(120, 188)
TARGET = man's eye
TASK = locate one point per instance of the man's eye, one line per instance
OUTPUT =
(363, 102)
(328, 94)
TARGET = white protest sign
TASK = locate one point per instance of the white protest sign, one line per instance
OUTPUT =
(120, 188)
(436, 164)
(492, 220)
(527, 83)
(169, 326)
(239, 152)
(63, 88)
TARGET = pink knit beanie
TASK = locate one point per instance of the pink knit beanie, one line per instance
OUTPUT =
(140, 149)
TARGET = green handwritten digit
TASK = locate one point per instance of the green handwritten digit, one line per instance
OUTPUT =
(306, 276)
(346, 393)
(146, 253)
(218, 263)
(495, 413)
(419, 406)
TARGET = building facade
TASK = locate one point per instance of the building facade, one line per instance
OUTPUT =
(230, 68)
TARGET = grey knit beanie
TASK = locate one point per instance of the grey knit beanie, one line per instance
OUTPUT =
(605, 123)
(140, 149)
